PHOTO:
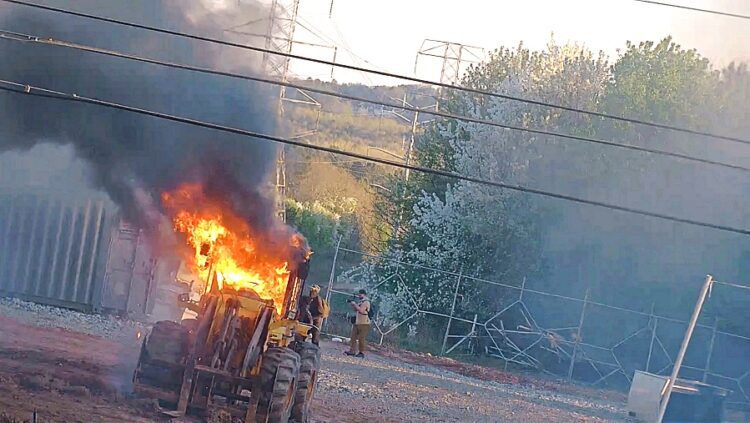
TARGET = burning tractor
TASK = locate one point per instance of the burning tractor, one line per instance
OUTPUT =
(245, 354)
(239, 355)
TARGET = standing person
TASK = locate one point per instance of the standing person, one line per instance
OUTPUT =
(317, 312)
(360, 326)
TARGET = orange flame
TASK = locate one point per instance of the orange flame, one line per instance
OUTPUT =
(222, 241)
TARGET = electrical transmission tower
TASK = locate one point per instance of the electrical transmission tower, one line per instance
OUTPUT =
(453, 56)
(282, 20)
(281, 24)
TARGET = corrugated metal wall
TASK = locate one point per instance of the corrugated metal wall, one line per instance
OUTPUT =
(75, 254)
(50, 248)
(129, 280)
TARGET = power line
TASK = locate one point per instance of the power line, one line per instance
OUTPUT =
(382, 73)
(25, 89)
(695, 9)
(322, 36)
(20, 37)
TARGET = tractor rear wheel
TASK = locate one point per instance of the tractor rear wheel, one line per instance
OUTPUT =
(278, 378)
(162, 355)
(168, 341)
(308, 376)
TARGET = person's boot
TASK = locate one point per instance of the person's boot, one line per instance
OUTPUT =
(350, 354)
(360, 355)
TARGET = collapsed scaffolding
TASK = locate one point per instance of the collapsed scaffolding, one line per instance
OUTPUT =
(515, 335)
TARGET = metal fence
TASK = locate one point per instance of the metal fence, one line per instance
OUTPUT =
(576, 338)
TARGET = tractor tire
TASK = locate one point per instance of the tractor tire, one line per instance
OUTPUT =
(278, 378)
(168, 341)
(308, 376)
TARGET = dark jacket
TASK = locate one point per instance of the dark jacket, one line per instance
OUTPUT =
(316, 306)
(304, 310)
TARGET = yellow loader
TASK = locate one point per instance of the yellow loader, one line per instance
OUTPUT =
(239, 356)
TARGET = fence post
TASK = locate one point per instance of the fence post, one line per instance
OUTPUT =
(654, 320)
(707, 367)
(331, 278)
(453, 309)
(578, 336)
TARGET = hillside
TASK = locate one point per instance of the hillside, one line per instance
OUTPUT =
(333, 195)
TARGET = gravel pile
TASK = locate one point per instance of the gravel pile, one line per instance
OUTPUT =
(395, 389)
(54, 317)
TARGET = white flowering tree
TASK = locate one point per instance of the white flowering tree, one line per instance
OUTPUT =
(477, 229)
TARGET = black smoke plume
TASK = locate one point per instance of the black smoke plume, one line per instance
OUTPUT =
(133, 155)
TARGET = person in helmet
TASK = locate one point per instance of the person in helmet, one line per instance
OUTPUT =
(316, 311)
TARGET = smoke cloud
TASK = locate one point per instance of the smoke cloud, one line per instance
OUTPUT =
(135, 158)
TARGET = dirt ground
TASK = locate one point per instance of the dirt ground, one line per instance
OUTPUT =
(69, 376)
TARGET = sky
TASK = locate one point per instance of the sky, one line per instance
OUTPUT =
(386, 34)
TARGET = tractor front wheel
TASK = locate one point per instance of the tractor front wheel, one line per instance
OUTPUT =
(278, 379)
(308, 375)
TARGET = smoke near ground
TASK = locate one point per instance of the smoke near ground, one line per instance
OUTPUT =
(135, 158)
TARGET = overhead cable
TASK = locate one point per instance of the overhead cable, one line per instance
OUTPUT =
(21, 37)
(30, 90)
(382, 73)
(695, 9)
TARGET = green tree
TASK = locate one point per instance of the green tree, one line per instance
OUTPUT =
(662, 82)
(488, 232)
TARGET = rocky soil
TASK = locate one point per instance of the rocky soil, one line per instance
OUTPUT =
(74, 367)
(395, 390)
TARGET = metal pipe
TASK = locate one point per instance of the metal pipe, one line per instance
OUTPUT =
(578, 336)
(471, 334)
(683, 348)
(453, 309)
(332, 277)
(707, 368)
(653, 320)
(333, 270)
